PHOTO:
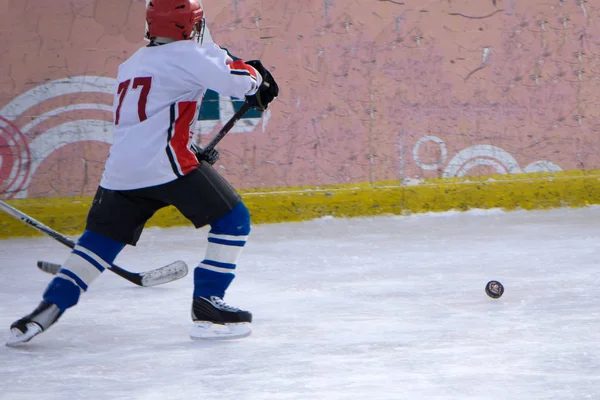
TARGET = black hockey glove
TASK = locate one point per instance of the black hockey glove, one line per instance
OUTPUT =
(266, 92)
(210, 156)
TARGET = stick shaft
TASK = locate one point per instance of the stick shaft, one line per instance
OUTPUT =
(227, 127)
(10, 210)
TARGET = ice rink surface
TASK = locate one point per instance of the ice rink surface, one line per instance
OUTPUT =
(371, 308)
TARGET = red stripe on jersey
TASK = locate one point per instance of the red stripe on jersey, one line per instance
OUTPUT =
(184, 157)
(240, 65)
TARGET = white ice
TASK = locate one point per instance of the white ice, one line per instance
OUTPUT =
(369, 308)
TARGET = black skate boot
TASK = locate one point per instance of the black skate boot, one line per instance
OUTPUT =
(25, 329)
(215, 319)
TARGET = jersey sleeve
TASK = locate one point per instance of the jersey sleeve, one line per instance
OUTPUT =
(214, 69)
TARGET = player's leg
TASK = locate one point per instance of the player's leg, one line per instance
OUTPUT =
(86, 262)
(113, 221)
(214, 274)
(226, 239)
(205, 197)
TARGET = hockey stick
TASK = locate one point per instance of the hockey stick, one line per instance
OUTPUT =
(168, 273)
(228, 125)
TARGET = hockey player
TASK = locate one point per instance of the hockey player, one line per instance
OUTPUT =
(152, 164)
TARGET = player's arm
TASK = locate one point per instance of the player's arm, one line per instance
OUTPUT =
(217, 71)
(267, 91)
(220, 73)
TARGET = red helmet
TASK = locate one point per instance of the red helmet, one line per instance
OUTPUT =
(175, 19)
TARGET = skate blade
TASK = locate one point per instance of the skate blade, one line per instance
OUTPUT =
(18, 338)
(210, 331)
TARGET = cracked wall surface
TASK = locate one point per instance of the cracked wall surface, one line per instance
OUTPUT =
(371, 90)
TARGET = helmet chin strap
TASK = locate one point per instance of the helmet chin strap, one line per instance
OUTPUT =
(198, 32)
(162, 40)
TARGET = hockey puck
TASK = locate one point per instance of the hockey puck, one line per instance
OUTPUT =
(494, 289)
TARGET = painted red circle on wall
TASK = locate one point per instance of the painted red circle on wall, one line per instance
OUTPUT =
(15, 159)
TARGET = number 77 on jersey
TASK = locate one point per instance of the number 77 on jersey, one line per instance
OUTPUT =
(140, 84)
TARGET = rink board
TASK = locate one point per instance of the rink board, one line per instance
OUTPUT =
(509, 192)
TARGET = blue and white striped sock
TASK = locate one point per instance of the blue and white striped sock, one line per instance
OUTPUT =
(90, 257)
(226, 241)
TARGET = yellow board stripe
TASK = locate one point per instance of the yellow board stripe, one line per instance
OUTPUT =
(509, 192)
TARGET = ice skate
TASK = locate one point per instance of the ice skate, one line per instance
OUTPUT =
(216, 320)
(25, 329)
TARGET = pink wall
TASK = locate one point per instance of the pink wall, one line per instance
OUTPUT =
(370, 90)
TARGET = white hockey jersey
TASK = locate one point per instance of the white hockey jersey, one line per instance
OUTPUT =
(156, 105)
